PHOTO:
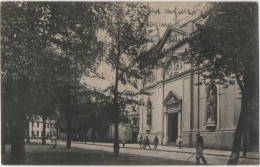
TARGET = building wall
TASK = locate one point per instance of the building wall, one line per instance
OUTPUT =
(124, 132)
(228, 109)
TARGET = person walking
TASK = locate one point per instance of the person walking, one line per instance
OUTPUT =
(156, 141)
(200, 149)
(180, 142)
(147, 142)
(140, 142)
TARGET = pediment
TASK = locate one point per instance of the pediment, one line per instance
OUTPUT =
(171, 37)
(172, 98)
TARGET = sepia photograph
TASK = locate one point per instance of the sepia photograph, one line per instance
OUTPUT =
(129, 83)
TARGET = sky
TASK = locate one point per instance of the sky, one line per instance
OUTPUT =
(162, 15)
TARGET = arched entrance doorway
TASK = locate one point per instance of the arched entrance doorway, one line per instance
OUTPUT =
(172, 118)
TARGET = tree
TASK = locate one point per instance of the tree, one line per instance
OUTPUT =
(225, 48)
(22, 44)
(126, 27)
(73, 31)
(28, 29)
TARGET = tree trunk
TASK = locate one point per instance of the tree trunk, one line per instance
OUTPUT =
(18, 124)
(116, 112)
(17, 138)
(238, 133)
(44, 131)
(69, 123)
(3, 136)
(3, 131)
(28, 130)
(4, 117)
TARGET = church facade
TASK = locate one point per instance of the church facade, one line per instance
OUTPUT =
(180, 104)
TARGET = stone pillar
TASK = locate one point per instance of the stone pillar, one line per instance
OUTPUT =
(165, 129)
(179, 123)
(141, 120)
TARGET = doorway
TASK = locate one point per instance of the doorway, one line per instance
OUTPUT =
(134, 137)
(172, 127)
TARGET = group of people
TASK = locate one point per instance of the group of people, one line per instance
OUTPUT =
(146, 142)
(199, 146)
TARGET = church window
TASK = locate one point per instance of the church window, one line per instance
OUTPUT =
(135, 120)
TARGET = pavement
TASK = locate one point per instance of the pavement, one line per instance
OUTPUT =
(213, 157)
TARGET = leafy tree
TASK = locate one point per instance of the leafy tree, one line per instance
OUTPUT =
(22, 44)
(73, 31)
(225, 48)
(126, 28)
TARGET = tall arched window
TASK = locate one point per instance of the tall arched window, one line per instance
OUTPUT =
(211, 106)
(172, 68)
(150, 79)
(149, 113)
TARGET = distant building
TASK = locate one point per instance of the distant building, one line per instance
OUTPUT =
(128, 131)
(36, 128)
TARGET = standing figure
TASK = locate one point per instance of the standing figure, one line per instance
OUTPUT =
(212, 107)
(180, 142)
(123, 141)
(200, 149)
(93, 137)
(144, 143)
(55, 142)
(156, 141)
(147, 142)
(140, 142)
(149, 113)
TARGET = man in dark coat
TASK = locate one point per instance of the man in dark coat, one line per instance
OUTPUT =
(147, 142)
(200, 149)
(156, 141)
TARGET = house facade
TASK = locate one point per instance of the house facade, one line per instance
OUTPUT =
(36, 128)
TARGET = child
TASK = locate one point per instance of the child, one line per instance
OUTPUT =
(123, 143)
(180, 142)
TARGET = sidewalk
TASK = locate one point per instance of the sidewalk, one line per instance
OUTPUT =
(249, 154)
(213, 157)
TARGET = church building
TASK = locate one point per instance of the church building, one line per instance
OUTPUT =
(180, 104)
